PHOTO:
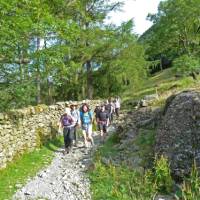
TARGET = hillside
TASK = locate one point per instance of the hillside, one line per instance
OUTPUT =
(153, 150)
(163, 83)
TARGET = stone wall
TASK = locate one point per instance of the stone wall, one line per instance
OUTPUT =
(25, 129)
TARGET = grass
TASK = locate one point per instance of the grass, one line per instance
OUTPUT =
(109, 182)
(146, 141)
(26, 166)
(108, 149)
(119, 183)
(164, 83)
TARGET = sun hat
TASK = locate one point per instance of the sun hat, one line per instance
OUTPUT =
(67, 111)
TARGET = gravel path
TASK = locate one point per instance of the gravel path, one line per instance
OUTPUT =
(64, 179)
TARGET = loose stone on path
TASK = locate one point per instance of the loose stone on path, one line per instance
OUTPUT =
(64, 179)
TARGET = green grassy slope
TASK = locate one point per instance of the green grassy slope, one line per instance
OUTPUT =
(165, 84)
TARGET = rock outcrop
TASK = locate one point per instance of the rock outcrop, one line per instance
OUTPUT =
(129, 129)
(178, 136)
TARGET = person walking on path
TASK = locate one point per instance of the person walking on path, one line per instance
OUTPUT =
(86, 118)
(76, 116)
(110, 109)
(67, 123)
(103, 122)
(117, 106)
(96, 111)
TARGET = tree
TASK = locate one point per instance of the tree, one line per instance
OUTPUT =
(175, 30)
(68, 43)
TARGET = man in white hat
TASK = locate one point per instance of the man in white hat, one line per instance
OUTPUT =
(76, 116)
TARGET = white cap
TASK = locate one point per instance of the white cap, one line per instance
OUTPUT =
(67, 111)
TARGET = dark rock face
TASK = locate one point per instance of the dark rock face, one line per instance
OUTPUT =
(178, 136)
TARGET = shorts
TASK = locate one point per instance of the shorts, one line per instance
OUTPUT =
(103, 127)
(87, 128)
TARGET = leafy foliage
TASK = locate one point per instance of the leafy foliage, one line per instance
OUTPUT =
(175, 31)
(57, 50)
(186, 64)
(120, 183)
(189, 190)
(163, 179)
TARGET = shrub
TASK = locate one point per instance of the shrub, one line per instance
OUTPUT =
(186, 64)
(190, 189)
(163, 179)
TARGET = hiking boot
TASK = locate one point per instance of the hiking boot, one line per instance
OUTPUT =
(75, 144)
(66, 151)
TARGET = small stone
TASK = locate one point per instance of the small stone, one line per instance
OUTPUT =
(27, 193)
(18, 185)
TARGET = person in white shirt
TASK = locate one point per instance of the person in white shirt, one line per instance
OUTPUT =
(117, 106)
(76, 116)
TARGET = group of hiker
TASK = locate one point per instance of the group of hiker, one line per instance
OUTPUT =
(75, 117)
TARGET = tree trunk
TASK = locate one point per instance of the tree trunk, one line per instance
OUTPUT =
(38, 98)
(161, 63)
(20, 55)
(89, 80)
(193, 75)
(83, 91)
(89, 71)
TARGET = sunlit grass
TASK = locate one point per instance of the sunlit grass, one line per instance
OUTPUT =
(164, 84)
(26, 166)
(109, 182)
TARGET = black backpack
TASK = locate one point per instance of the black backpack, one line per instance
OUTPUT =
(108, 108)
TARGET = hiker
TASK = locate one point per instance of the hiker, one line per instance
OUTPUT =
(75, 114)
(117, 106)
(109, 108)
(66, 104)
(86, 124)
(103, 121)
(67, 123)
(113, 103)
(97, 110)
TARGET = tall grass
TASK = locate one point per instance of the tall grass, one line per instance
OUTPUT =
(190, 189)
(109, 182)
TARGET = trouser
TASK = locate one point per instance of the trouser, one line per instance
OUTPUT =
(103, 126)
(117, 112)
(74, 133)
(67, 136)
(110, 117)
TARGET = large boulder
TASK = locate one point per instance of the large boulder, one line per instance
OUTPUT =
(178, 136)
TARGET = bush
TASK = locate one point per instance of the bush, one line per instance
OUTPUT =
(163, 179)
(120, 183)
(190, 189)
(186, 64)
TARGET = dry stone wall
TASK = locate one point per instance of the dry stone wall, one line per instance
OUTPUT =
(25, 129)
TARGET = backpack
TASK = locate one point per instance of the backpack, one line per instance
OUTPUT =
(66, 120)
(75, 115)
(108, 107)
(86, 118)
(103, 116)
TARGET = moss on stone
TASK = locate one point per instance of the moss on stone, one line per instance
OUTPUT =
(41, 108)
